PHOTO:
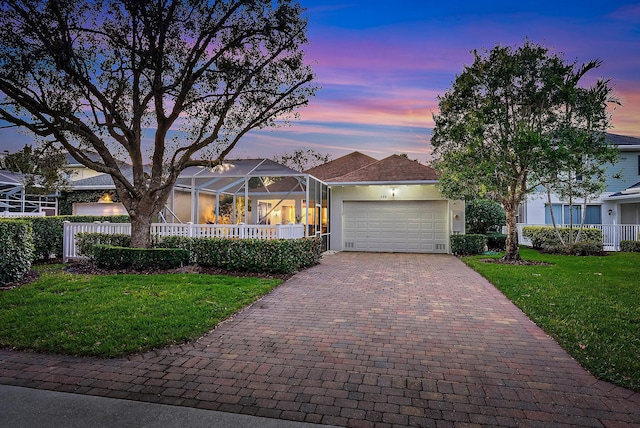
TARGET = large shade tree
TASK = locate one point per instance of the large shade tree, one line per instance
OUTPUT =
(161, 84)
(44, 169)
(511, 120)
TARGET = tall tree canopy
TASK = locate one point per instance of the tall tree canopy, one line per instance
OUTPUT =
(185, 78)
(511, 120)
(44, 169)
(302, 159)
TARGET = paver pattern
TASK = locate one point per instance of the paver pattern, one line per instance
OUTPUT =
(361, 340)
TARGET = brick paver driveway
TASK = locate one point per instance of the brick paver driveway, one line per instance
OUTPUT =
(361, 340)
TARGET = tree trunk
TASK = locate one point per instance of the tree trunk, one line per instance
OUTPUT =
(553, 218)
(141, 228)
(512, 252)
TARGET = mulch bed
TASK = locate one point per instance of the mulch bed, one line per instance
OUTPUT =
(87, 268)
(516, 262)
(83, 267)
(28, 278)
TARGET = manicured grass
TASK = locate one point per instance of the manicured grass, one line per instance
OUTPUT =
(114, 315)
(590, 305)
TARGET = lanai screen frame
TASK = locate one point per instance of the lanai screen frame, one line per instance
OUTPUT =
(232, 178)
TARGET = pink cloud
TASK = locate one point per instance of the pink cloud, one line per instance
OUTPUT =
(625, 117)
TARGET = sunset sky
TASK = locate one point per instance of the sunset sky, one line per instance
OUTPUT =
(381, 65)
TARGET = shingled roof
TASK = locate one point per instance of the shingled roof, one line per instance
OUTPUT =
(390, 169)
(622, 140)
(341, 166)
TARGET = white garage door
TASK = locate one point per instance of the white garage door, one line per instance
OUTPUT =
(395, 226)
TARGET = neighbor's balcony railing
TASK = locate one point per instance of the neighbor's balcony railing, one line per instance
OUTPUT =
(612, 234)
(239, 231)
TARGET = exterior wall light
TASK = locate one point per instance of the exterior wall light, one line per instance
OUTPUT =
(105, 199)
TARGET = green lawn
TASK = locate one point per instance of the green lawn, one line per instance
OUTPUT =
(114, 315)
(590, 305)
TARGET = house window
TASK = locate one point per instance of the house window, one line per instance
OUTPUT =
(561, 214)
(638, 164)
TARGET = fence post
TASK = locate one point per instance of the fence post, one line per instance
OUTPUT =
(65, 241)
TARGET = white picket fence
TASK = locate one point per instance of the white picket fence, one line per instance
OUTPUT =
(612, 234)
(238, 231)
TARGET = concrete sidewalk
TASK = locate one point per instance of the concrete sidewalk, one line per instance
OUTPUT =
(360, 340)
(24, 407)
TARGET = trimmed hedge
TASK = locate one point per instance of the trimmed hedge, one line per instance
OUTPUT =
(85, 241)
(16, 249)
(48, 231)
(251, 255)
(463, 245)
(497, 242)
(109, 257)
(630, 246)
(542, 236)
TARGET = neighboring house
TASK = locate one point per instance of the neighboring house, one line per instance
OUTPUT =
(619, 204)
(14, 201)
(388, 205)
(80, 171)
(616, 211)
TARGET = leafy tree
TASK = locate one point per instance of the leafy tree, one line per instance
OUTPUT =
(581, 174)
(483, 214)
(302, 159)
(175, 82)
(503, 125)
(44, 169)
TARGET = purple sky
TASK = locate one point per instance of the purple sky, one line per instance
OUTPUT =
(381, 68)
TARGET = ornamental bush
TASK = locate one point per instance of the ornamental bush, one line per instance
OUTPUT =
(109, 257)
(16, 249)
(582, 248)
(630, 246)
(482, 215)
(462, 245)
(542, 236)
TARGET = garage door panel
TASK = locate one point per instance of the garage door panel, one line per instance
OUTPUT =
(395, 226)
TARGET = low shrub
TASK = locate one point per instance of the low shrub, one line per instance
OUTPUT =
(630, 246)
(109, 257)
(545, 236)
(16, 249)
(496, 242)
(85, 241)
(251, 255)
(470, 244)
(582, 248)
